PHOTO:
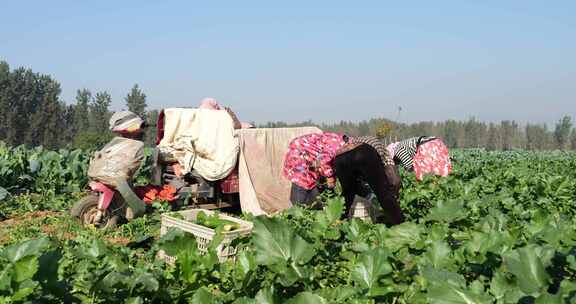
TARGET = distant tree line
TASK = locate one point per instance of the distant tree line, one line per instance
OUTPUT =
(32, 113)
(505, 135)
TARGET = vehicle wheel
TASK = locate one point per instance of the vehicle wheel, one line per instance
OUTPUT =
(87, 208)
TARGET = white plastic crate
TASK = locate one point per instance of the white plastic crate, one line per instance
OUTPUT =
(204, 234)
(363, 209)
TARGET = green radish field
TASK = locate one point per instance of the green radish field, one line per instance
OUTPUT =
(500, 229)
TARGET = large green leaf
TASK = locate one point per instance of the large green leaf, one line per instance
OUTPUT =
(433, 275)
(3, 193)
(307, 298)
(481, 243)
(193, 266)
(245, 264)
(547, 298)
(203, 296)
(438, 254)
(360, 301)
(276, 242)
(337, 294)
(444, 293)
(528, 269)
(289, 274)
(323, 225)
(449, 211)
(25, 268)
(568, 289)
(28, 248)
(438, 232)
(330, 213)
(504, 290)
(146, 280)
(25, 289)
(406, 234)
(97, 248)
(244, 300)
(176, 241)
(267, 296)
(134, 300)
(114, 280)
(556, 232)
(5, 277)
(571, 260)
(355, 229)
(279, 247)
(370, 267)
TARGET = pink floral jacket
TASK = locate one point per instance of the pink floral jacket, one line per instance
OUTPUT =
(310, 156)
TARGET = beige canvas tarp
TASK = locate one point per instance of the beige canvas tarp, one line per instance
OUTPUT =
(200, 139)
(263, 189)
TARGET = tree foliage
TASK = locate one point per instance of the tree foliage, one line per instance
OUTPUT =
(562, 132)
(33, 114)
(30, 108)
(504, 135)
(99, 113)
(82, 110)
(136, 101)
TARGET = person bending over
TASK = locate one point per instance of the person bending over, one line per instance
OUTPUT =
(327, 155)
(421, 155)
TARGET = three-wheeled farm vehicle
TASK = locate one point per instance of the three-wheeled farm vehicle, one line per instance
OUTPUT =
(106, 206)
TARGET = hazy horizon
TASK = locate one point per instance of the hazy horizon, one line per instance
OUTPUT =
(327, 61)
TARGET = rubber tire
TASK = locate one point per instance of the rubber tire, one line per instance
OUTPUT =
(86, 204)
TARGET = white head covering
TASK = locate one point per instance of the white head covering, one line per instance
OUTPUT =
(125, 121)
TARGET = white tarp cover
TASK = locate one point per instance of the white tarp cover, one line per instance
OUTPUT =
(200, 139)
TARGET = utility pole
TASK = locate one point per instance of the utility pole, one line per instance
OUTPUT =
(399, 112)
(398, 122)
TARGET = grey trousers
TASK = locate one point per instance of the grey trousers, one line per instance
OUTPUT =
(299, 195)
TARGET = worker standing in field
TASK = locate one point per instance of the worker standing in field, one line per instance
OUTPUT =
(313, 157)
(421, 155)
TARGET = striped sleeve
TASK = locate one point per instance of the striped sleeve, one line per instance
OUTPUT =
(377, 145)
(405, 152)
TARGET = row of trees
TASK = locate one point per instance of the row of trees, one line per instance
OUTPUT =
(32, 113)
(472, 133)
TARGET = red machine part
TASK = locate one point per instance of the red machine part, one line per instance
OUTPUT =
(106, 194)
(150, 193)
(230, 184)
(160, 127)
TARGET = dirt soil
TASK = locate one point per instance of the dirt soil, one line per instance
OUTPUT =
(50, 230)
(28, 217)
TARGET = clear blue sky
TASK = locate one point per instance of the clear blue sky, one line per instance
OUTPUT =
(320, 60)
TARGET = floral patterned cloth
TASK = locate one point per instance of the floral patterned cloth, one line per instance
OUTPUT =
(310, 156)
(432, 157)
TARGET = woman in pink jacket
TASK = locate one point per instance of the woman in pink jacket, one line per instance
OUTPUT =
(314, 157)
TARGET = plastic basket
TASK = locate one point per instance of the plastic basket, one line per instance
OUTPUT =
(362, 209)
(204, 234)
